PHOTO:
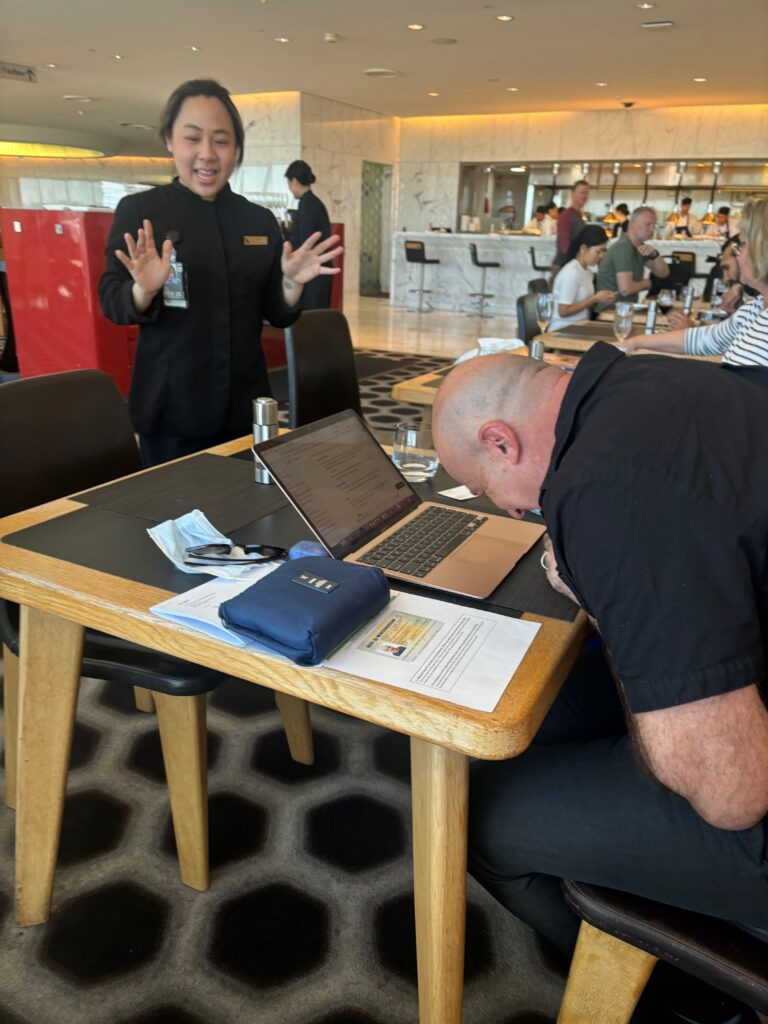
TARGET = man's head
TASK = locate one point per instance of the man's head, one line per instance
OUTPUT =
(622, 212)
(493, 425)
(553, 211)
(685, 206)
(579, 194)
(642, 225)
(540, 213)
(722, 215)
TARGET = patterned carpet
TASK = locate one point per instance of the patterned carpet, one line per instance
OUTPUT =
(309, 917)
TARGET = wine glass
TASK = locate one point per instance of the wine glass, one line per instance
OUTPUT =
(543, 310)
(666, 300)
(622, 321)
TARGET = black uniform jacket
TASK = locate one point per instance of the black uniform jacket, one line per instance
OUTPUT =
(197, 369)
(312, 216)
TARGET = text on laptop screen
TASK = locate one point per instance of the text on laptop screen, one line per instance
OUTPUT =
(341, 482)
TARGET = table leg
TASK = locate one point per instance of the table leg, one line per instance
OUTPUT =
(49, 676)
(10, 721)
(439, 782)
(298, 728)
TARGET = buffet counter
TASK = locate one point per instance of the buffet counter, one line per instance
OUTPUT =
(451, 281)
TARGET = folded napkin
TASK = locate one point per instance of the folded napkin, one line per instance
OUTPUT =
(307, 607)
(174, 536)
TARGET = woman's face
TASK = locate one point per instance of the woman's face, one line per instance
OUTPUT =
(593, 254)
(202, 144)
(295, 188)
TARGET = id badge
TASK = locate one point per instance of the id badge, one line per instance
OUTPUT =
(175, 288)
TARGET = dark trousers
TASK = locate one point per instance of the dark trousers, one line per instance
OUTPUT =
(158, 448)
(579, 804)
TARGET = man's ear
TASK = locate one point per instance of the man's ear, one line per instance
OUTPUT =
(502, 438)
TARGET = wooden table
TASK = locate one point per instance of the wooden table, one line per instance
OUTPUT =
(60, 598)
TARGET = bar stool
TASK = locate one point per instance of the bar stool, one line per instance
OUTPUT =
(482, 294)
(414, 253)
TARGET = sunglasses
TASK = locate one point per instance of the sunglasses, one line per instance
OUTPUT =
(232, 554)
(736, 247)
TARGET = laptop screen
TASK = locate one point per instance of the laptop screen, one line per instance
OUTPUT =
(339, 480)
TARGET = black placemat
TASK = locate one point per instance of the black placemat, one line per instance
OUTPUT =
(222, 488)
(583, 331)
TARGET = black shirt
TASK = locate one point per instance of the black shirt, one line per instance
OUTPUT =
(197, 369)
(312, 216)
(656, 499)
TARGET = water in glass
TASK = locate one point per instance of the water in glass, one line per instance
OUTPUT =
(543, 311)
(414, 452)
(622, 320)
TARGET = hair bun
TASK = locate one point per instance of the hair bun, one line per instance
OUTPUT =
(312, 178)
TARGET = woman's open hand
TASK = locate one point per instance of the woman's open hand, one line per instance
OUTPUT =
(148, 268)
(308, 261)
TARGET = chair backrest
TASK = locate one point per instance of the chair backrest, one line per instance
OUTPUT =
(527, 324)
(61, 433)
(539, 284)
(414, 251)
(322, 378)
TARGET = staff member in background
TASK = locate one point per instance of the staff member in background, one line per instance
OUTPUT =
(621, 213)
(623, 269)
(683, 223)
(722, 226)
(573, 293)
(221, 270)
(311, 216)
(570, 223)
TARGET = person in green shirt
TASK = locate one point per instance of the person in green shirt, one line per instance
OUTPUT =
(622, 269)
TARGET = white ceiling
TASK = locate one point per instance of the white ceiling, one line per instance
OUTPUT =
(553, 52)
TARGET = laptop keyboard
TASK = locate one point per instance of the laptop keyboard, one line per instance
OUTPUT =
(425, 541)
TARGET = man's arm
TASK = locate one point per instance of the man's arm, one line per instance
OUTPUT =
(627, 285)
(714, 753)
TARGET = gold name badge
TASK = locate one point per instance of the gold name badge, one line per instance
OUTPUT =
(255, 240)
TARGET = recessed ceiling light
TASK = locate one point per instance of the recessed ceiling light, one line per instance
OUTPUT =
(658, 24)
(74, 96)
(699, 79)
(433, 94)
(381, 73)
(512, 88)
(645, 6)
(415, 26)
(118, 56)
(194, 49)
(504, 17)
(331, 37)
(282, 39)
(518, 169)
(601, 85)
(51, 65)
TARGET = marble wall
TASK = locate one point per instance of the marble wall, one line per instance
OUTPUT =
(28, 181)
(431, 148)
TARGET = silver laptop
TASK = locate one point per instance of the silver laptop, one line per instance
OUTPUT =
(361, 509)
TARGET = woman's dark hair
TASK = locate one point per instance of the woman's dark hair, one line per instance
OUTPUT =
(300, 171)
(623, 208)
(202, 87)
(590, 235)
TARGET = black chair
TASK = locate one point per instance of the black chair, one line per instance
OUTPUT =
(482, 295)
(621, 938)
(67, 432)
(539, 285)
(527, 324)
(322, 378)
(415, 253)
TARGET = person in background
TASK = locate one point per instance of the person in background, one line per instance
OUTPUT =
(570, 223)
(648, 775)
(742, 339)
(621, 213)
(683, 223)
(536, 223)
(623, 269)
(222, 268)
(722, 226)
(551, 219)
(573, 293)
(310, 217)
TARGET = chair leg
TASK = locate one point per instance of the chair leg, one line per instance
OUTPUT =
(183, 737)
(298, 728)
(10, 722)
(144, 699)
(606, 979)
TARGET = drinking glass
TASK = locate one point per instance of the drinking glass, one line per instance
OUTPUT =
(414, 452)
(666, 300)
(543, 311)
(622, 320)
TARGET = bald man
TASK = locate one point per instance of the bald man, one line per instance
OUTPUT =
(652, 475)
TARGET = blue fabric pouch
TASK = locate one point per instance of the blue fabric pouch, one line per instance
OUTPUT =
(307, 607)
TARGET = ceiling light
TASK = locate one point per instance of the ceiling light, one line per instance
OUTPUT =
(658, 24)
(512, 88)
(46, 149)
(381, 73)
(602, 85)
(118, 56)
(699, 79)
(504, 17)
(416, 27)
(518, 169)
(331, 37)
(282, 39)
(433, 94)
(645, 6)
(51, 65)
(194, 49)
(74, 97)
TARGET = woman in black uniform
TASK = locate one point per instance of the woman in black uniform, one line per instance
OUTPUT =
(222, 268)
(311, 216)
